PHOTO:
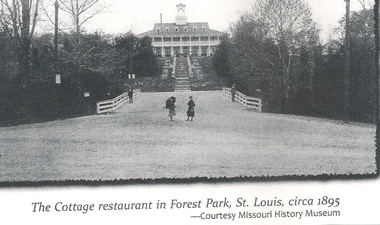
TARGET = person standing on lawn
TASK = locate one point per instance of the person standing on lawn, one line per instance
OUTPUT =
(130, 95)
(233, 92)
(190, 109)
(170, 104)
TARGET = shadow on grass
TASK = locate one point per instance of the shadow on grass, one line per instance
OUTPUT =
(185, 181)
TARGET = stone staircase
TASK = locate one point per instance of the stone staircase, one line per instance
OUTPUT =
(182, 80)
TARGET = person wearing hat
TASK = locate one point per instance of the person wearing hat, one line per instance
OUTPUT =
(190, 109)
(233, 92)
(170, 104)
(130, 95)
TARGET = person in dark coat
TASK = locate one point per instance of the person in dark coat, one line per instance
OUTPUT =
(170, 104)
(130, 95)
(233, 92)
(190, 109)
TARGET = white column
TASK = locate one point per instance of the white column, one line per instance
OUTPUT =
(209, 46)
(171, 47)
(190, 49)
(181, 49)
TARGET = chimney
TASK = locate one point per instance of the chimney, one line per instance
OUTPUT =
(161, 18)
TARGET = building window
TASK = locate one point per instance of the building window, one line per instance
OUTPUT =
(157, 39)
(176, 29)
(194, 29)
(167, 39)
(194, 38)
(204, 38)
(185, 39)
(185, 29)
(214, 38)
(167, 30)
(203, 29)
(158, 30)
(176, 39)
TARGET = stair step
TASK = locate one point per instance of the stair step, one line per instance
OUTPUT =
(182, 82)
(182, 86)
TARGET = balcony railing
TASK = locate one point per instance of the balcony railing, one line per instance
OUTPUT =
(185, 43)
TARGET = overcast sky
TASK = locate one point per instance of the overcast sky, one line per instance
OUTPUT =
(140, 15)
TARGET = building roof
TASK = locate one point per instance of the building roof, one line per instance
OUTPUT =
(172, 29)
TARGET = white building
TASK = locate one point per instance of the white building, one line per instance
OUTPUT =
(182, 37)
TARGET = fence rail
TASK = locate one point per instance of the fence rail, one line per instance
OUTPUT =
(249, 102)
(111, 105)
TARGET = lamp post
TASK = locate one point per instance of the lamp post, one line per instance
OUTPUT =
(347, 65)
(56, 36)
(130, 64)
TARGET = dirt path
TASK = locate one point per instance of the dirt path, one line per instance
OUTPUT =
(225, 139)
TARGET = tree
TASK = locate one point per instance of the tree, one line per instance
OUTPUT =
(19, 19)
(221, 59)
(145, 60)
(361, 99)
(7, 57)
(288, 24)
(250, 52)
(266, 49)
(126, 47)
(135, 55)
(360, 102)
(101, 53)
(79, 12)
(365, 4)
(303, 101)
(43, 56)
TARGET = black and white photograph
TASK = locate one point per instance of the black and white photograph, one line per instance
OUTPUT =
(269, 88)
(125, 92)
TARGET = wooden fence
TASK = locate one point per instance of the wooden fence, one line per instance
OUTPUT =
(111, 105)
(249, 102)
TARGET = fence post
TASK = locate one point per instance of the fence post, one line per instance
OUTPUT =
(97, 108)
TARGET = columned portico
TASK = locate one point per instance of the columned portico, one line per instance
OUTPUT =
(182, 37)
(170, 46)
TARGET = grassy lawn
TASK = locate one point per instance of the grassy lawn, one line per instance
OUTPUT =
(224, 140)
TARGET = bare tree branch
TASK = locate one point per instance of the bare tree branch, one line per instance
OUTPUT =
(19, 18)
